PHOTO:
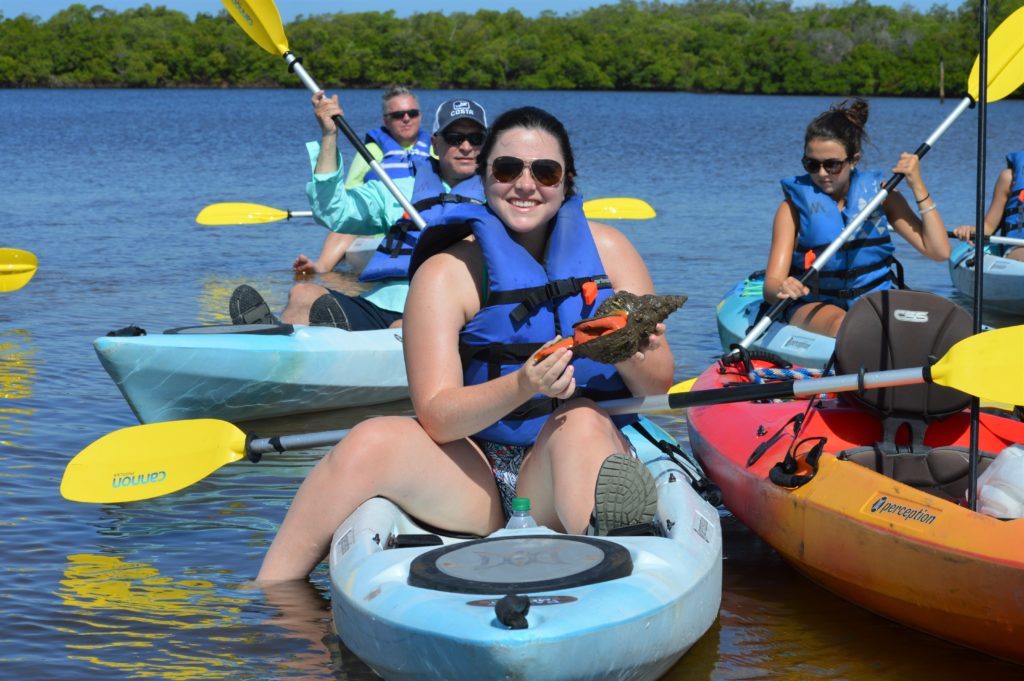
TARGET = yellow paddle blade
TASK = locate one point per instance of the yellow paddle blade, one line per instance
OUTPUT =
(683, 387)
(17, 267)
(618, 209)
(239, 214)
(142, 462)
(987, 365)
(261, 20)
(1005, 60)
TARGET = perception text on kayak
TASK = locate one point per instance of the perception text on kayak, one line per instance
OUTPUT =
(883, 505)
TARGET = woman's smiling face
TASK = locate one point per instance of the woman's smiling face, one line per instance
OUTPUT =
(523, 203)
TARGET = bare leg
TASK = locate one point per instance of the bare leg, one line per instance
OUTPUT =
(560, 472)
(820, 318)
(1016, 253)
(331, 253)
(449, 486)
(300, 299)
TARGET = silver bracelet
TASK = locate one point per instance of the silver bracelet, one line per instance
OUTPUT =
(929, 209)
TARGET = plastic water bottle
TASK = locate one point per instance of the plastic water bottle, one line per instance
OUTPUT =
(521, 518)
(1001, 486)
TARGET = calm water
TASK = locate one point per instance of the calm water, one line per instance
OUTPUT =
(104, 186)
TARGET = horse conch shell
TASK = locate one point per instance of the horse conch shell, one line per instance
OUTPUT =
(621, 323)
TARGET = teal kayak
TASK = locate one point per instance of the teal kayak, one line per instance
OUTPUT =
(1002, 280)
(415, 604)
(740, 309)
(239, 373)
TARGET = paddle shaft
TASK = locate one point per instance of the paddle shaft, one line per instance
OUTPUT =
(780, 306)
(257, 446)
(295, 65)
(767, 391)
(1008, 240)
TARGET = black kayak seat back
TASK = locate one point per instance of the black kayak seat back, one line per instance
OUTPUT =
(897, 329)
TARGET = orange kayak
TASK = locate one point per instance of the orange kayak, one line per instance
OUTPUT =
(921, 558)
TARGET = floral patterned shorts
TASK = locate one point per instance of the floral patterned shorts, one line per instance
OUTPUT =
(505, 461)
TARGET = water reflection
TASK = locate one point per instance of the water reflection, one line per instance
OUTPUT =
(18, 367)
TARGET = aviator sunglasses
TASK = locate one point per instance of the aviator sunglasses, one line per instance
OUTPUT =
(456, 139)
(399, 115)
(544, 170)
(832, 166)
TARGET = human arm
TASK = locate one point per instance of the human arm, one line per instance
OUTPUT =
(648, 372)
(443, 297)
(778, 284)
(360, 167)
(925, 232)
(994, 216)
(331, 253)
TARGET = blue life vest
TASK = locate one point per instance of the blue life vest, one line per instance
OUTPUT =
(863, 263)
(527, 304)
(1013, 216)
(429, 198)
(397, 161)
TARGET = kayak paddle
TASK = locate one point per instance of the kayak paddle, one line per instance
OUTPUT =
(1005, 74)
(17, 267)
(256, 214)
(142, 462)
(262, 22)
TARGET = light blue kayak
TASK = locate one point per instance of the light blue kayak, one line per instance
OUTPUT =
(239, 373)
(418, 605)
(740, 310)
(1003, 278)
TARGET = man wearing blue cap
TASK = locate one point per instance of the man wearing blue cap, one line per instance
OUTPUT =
(460, 126)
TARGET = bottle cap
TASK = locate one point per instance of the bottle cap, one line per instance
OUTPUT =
(520, 504)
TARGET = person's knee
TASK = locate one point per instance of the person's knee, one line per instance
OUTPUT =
(372, 445)
(303, 294)
(584, 416)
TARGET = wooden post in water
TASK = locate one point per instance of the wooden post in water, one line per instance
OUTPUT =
(942, 81)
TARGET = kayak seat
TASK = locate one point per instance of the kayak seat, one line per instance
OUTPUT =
(940, 471)
(896, 329)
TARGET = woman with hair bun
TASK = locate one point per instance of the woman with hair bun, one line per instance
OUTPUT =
(819, 204)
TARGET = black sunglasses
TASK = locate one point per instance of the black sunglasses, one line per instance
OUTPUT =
(545, 170)
(399, 115)
(456, 139)
(832, 166)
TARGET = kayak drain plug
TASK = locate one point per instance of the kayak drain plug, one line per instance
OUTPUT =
(511, 611)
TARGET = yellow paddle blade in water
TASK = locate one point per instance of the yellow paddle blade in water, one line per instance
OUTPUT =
(987, 365)
(239, 214)
(1005, 60)
(17, 267)
(151, 460)
(618, 209)
(261, 21)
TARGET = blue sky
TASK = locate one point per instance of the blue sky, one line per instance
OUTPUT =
(290, 8)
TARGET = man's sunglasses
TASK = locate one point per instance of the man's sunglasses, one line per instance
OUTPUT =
(544, 170)
(399, 115)
(456, 139)
(832, 166)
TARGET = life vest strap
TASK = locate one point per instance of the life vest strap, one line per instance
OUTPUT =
(533, 297)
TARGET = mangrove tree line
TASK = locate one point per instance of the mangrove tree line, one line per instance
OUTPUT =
(739, 46)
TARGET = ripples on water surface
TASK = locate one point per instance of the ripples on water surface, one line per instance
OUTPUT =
(104, 186)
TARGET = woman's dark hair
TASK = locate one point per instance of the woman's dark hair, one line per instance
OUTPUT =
(844, 122)
(530, 117)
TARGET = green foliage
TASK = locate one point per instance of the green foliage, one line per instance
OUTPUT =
(742, 46)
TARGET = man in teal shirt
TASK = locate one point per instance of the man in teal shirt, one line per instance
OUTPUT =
(404, 140)
(458, 132)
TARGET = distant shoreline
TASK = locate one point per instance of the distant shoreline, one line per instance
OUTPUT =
(712, 46)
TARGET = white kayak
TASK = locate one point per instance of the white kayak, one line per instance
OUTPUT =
(414, 604)
(359, 253)
(741, 309)
(1002, 279)
(238, 373)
